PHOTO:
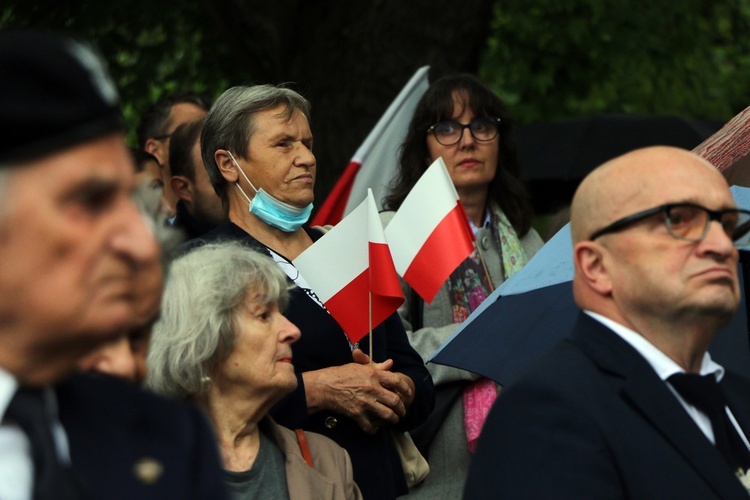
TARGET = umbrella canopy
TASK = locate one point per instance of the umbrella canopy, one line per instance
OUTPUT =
(534, 309)
(556, 155)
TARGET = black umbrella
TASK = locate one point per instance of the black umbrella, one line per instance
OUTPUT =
(556, 155)
(534, 309)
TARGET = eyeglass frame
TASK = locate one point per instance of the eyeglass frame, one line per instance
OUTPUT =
(162, 137)
(713, 215)
(464, 126)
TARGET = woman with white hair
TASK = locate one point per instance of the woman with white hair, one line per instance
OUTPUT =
(223, 343)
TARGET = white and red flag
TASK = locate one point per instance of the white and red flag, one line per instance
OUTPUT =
(430, 235)
(374, 164)
(351, 271)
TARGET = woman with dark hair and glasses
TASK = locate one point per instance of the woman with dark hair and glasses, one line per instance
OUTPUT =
(462, 121)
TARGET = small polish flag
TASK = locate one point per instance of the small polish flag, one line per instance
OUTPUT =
(351, 270)
(430, 235)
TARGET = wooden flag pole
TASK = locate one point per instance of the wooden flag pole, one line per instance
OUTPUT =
(484, 266)
(369, 296)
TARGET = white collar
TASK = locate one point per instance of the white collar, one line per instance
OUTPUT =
(485, 223)
(8, 386)
(662, 364)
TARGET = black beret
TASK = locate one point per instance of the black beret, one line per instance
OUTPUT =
(55, 92)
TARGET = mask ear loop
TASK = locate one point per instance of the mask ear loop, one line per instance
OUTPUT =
(243, 175)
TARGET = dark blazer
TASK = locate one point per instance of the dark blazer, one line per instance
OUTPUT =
(377, 466)
(593, 420)
(189, 225)
(127, 443)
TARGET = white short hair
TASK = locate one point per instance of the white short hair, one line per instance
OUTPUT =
(195, 332)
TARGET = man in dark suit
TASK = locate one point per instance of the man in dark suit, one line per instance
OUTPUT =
(71, 243)
(199, 208)
(605, 415)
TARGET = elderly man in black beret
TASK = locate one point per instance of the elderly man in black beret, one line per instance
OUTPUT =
(71, 242)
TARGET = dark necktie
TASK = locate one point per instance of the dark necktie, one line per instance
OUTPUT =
(705, 394)
(51, 478)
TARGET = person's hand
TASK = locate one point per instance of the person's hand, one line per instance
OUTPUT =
(359, 390)
(401, 384)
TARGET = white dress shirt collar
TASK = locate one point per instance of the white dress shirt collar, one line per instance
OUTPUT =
(662, 364)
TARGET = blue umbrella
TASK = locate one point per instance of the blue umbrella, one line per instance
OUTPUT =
(534, 309)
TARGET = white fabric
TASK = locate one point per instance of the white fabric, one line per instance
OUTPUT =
(485, 223)
(339, 256)
(16, 465)
(431, 199)
(379, 153)
(665, 367)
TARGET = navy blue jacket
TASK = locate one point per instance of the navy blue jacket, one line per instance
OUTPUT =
(128, 443)
(593, 420)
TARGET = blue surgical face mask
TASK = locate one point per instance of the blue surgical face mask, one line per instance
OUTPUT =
(272, 211)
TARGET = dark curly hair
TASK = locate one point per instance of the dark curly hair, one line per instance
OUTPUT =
(436, 105)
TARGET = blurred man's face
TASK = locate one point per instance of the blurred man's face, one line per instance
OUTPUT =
(125, 356)
(181, 113)
(71, 241)
(207, 205)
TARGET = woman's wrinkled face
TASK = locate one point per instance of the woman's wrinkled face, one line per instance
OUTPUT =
(261, 358)
(280, 158)
(471, 164)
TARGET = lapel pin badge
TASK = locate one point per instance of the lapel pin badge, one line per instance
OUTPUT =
(148, 470)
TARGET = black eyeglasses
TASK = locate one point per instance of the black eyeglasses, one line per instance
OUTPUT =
(688, 221)
(450, 132)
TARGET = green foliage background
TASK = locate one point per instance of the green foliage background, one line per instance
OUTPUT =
(152, 48)
(553, 59)
(548, 58)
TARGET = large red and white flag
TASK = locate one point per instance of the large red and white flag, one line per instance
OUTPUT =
(376, 161)
(430, 235)
(351, 270)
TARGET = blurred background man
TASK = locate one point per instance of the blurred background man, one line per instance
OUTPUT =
(199, 208)
(72, 243)
(157, 124)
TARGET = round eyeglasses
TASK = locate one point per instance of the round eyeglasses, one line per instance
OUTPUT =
(450, 132)
(688, 221)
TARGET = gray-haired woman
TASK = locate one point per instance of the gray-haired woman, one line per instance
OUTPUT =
(257, 147)
(223, 343)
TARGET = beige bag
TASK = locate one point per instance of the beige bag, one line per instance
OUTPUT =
(414, 464)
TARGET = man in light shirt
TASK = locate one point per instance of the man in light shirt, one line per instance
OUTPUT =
(604, 414)
(71, 244)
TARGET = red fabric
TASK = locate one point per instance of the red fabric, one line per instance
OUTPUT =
(447, 246)
(383, 277)
(332, 210)
(304, 448)
(349, 307)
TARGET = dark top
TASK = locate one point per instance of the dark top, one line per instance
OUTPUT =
(192, 227)
(592, 419)
(129, 443)
(377, 466)
(267, 477)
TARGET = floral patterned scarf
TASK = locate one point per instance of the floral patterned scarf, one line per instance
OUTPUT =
(469, 285)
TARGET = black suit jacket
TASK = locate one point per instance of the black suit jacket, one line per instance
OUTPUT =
(128, 443)
(593, 420)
